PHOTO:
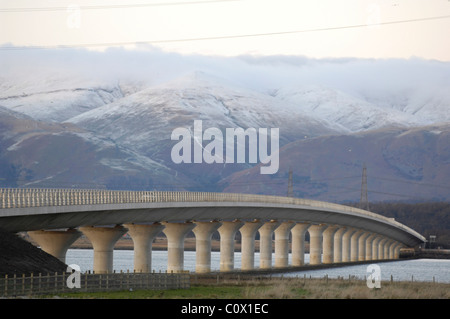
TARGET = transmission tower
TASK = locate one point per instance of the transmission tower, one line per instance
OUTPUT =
(364, 201)
(290, 192)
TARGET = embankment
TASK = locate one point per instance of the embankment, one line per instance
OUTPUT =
(18, 256)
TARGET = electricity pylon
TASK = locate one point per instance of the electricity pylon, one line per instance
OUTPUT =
(290, 192)
(364, 201)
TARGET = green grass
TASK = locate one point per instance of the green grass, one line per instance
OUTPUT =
(281, 289)
(195, 292)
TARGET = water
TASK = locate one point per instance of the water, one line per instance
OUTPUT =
(403, 270)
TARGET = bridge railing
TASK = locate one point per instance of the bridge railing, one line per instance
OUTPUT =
(44, 197)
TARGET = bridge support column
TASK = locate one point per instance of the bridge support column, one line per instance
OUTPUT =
(362, 246)
(315, 243)
(354, 245)
(175, 233)
(328, 244)
(265, 244)
(337, 258)
(387, 248)
(248, 232)
(369, 243)
(391, 249)
(298, 243)
(397, 251)
(55, 242)
(203, 232)
(282, 244)
(375, 245)
(142, 236)
(103, 240)
(227, 233)
(346, 244)
(381, 248)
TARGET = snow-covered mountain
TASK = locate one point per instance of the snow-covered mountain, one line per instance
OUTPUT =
(340, 108)
(426, 105)
(145, 120)
(36, 153)
(117, 133)
(56, 98)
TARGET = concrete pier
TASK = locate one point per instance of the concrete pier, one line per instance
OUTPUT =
(298, 243)
(362, 246)
(142, 236)
(387, 248)
(346, 244)
(248, 232)
(175, 233)
(354, 245)
(337, 258)
(315, 243)
(227, 232)
(375, 244)
(282, 244)
(381, 248)
(203, 233)
(369, 243)
(266, 243)
(328, 244)
(103, 240)
(55, 242)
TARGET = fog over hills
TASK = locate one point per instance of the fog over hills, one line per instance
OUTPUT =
(105, 120)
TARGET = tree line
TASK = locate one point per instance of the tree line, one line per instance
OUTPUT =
(429, 218)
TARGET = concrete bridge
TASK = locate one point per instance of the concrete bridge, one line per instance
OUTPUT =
(55, 218)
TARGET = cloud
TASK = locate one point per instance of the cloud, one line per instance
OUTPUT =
(154, 66)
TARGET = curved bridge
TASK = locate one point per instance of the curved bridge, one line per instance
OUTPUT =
(55, 218)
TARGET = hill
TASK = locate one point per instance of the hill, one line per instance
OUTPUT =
(114, 132)
(403, 164)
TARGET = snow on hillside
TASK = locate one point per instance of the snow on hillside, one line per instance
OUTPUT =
(425, 104)
(151, 114)
(138, 111)
(55, 98)
(344, 109)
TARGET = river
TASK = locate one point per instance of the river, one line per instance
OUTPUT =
(402, 270)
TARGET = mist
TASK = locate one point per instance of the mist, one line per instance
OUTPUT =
(146, 64)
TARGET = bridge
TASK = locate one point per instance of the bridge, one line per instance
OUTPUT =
(55, 218)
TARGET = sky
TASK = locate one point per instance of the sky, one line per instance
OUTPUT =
(315, 29)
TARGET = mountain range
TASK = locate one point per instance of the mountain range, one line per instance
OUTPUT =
(61, 131)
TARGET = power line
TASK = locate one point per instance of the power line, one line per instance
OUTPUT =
(225, 37)
(411, 182)
(412, 196)
(118, 6)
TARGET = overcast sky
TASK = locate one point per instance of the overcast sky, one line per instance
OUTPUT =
(314, 29)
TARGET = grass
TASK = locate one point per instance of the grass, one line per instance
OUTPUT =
(292, 288)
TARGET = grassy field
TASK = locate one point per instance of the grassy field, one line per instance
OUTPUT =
(292, 288)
